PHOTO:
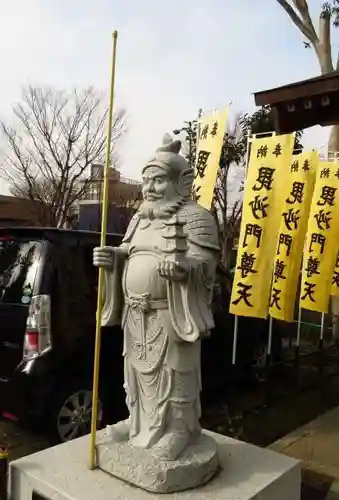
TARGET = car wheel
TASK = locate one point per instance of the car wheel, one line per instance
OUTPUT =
(73, 414)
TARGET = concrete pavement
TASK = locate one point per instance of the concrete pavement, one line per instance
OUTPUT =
(317, 445)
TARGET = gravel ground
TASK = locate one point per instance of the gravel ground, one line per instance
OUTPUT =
(21, 441)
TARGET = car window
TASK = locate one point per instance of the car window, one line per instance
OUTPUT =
(74, 291)
(19, 261)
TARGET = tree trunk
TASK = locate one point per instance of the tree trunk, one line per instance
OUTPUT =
(333, 142)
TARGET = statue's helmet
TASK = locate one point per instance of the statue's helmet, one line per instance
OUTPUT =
(167, 158)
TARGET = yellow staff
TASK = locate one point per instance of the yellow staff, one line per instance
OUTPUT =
(101, 270)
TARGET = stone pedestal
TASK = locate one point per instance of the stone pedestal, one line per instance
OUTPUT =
(139, 467)
(247, 472)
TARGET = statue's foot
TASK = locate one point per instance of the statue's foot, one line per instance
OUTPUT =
(119, 432)
(171, 445)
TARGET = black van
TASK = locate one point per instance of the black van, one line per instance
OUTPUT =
(48, 290)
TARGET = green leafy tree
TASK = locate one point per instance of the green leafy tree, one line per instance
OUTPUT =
(261, 122)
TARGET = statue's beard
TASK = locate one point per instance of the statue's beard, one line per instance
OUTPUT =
(161, 208)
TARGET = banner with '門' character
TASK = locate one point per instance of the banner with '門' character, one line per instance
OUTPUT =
(211, 135)
(269, 162)
(291, 238)
(321, 245)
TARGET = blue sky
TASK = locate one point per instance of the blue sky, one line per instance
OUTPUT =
(173, 57)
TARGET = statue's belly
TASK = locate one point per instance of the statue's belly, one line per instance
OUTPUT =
(142, 277)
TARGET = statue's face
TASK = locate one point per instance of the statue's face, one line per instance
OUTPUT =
(157, 185)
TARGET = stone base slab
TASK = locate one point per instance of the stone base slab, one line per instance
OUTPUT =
(247, 472)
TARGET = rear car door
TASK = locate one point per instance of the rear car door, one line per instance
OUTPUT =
(19, 263)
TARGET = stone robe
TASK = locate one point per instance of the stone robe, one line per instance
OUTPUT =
(163, 321)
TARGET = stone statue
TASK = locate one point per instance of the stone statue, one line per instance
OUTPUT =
(158, 286)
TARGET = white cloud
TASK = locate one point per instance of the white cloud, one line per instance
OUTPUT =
(172, 57)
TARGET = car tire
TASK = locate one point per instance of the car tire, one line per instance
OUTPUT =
(71, 412)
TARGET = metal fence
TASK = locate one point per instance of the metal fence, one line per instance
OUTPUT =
(304, 356)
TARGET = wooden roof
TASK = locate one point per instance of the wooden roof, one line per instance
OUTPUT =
(306, 88)
(303, 104)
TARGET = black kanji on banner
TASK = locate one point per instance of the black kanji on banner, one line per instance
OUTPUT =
(247, 262)
(291, 219)
(306, 166)
(325, 173)
(214, 130)
(323, 219)
(275, 298)
(262, 151)
(286, 240)
(279, 271)
(335, 279)
(297, 193)
(202, 163)
(308, 291)
(204, 132)
(244, 293)
(317, 239)
(277, 150)
(312, 266)
(259, 207)
(264, 179)
(196, 193)
(252, 230)
(327, 196)
(295, 166)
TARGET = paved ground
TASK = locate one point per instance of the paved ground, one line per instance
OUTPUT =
(317, 445)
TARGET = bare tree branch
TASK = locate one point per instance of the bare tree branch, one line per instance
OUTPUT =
(228, 211)
(321, 42)
(55, 138)
(302, 7)
(307, 31)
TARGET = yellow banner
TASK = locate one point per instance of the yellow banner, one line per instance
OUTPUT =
(291, 239)
(322, 240)
(265, 186)
(335, 278)
(212, 129)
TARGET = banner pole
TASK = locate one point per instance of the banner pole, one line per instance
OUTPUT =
(236, 323)
(322, 327)
(104, 214)
(299, 326)
(235, 340)
(270, 336)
